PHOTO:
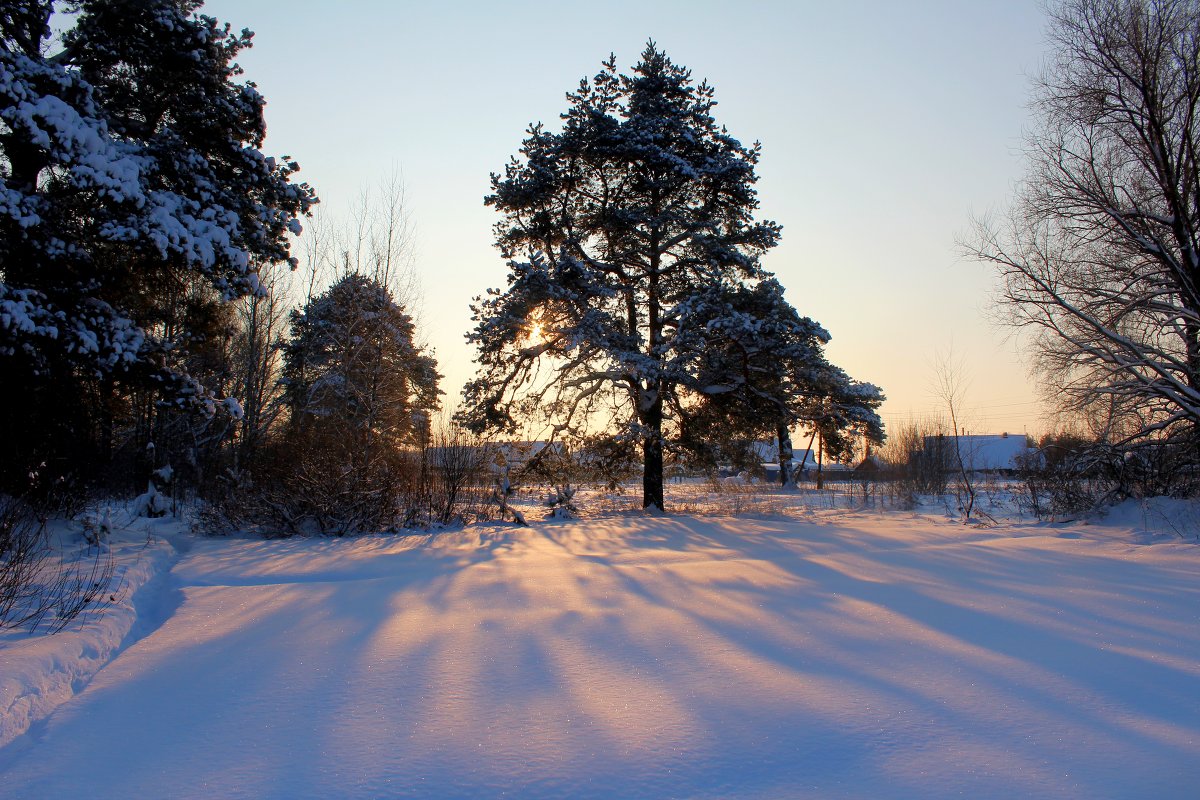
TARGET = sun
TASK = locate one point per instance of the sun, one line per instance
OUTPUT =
(536, 331)
(536, 335)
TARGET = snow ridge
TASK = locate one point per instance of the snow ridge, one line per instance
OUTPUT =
(39, 673)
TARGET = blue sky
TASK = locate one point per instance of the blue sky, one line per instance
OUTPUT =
(885, 127)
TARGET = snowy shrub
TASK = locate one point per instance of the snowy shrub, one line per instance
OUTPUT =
(319, 486)
(561, 502)
(43, 581)
(1067, 479)
(97, 525)
(502, 494)
(1069, 474)
(154, 502)
(319, 492)
(151, 503)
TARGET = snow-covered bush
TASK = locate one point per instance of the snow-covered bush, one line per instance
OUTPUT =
(43, 581)
(561, 502)
(151, 503)
(503, 493)
(97, 525)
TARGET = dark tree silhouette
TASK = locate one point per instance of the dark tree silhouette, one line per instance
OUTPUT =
(612, 227)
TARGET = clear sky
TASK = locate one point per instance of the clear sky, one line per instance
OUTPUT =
(885, 127)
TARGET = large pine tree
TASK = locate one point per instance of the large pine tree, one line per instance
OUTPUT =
(134, 201)
(612, 227)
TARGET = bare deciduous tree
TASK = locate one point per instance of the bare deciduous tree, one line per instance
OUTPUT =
(1100, 258)
(41, 581)
(459, 462)
(262, 328)
(950, 388)
(917, 468)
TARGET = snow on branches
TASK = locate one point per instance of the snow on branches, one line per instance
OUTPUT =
(128, 159)
(633, 253)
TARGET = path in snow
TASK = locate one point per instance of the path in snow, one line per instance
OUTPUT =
(867, 656)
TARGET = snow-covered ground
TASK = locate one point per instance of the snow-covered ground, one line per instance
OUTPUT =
(822, 654)
(39, 672)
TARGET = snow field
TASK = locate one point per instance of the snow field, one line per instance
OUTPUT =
(838, 655)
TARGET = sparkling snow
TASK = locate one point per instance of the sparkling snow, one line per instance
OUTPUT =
(821, 655)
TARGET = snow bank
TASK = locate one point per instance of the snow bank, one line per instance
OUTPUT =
(38, 672)
(1156, 519)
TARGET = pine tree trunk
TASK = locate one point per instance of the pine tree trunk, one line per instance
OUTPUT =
(785, 454)
(820, 446)
(652, 417)
(652, 457)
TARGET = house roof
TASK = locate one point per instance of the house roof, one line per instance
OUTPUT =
(986, 451)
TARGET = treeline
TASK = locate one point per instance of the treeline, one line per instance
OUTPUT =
(1059, 474)
(153, 337)
(156, 338)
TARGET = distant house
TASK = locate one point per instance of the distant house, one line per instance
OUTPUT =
(518, 454)
(494, 456)
(998, 452)
(767, 453)
(768, 456)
